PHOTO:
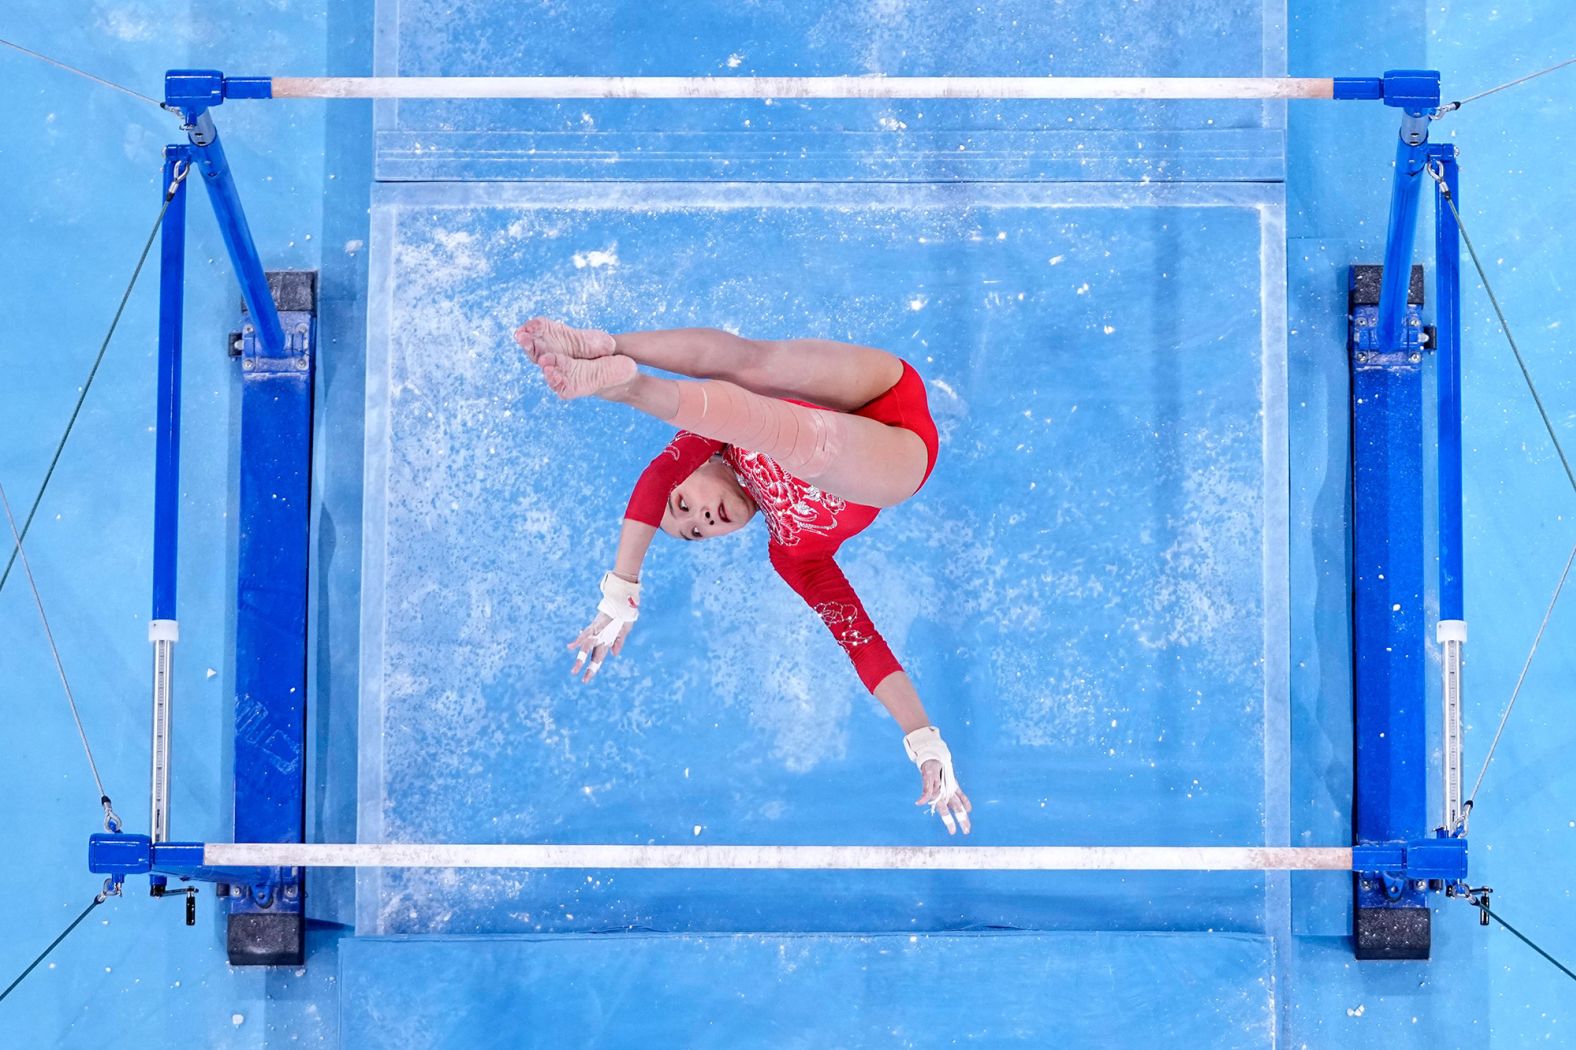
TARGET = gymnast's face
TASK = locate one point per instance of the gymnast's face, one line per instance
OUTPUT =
(710, 502)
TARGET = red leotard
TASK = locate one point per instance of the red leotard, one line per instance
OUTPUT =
(806, 526)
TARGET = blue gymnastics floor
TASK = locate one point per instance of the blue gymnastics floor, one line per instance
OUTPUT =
(1114, 484)
(1123, 593)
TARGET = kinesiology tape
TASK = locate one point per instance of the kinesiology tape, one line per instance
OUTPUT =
(804, 441)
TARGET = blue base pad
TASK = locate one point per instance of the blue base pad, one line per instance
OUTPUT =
(807, 990)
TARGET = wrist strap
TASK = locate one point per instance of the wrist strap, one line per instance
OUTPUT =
(925, 745)
(620, 599)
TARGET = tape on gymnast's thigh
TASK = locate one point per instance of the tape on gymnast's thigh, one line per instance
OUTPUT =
(803, 440)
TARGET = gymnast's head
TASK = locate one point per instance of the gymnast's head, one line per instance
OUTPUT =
(708, 503)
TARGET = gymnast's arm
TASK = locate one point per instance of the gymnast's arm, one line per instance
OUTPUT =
(820, 582)
(620, 605)
(605, 635)
(634, 539)
(897, 694)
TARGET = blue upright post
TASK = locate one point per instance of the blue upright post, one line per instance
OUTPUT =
(163, 627)
(167, 430)
(278, 346)
(1452, 629)
(1447, 365)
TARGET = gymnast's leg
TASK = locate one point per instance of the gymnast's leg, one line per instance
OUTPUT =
(840, 376)
(859, 459)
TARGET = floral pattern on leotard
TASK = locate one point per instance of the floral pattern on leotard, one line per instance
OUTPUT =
(846, 622)
(794, 509)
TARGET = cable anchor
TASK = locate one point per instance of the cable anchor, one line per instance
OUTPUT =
(1479, 898)
(111, 820)
(183, 168)
(1465, 818)
(188, 892)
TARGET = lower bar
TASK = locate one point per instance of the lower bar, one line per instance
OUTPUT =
(805, 87)
(120, 855)
(944, 858)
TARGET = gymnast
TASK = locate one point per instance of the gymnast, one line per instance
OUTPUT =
(818, 436)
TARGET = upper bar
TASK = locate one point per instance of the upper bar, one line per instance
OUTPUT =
(191, 91)
(805, 87)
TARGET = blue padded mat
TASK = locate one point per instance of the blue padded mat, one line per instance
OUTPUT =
(1091, 991)
(1089, 592)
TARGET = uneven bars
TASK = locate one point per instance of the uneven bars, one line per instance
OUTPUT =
(921, 858)
(806, 87)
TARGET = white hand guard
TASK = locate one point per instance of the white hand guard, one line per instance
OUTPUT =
(925, 745)
(620, 602)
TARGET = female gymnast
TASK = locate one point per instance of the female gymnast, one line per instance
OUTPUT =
(818, 436)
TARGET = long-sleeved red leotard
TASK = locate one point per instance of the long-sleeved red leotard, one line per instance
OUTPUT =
(806, 527)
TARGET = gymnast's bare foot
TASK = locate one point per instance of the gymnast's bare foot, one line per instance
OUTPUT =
(570, 378)
(542, 335)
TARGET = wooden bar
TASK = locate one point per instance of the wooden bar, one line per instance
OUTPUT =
(775, 858)
(806, 87)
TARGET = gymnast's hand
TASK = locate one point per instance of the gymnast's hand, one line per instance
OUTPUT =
(590, 653)
(616, 614)
(953, 808)
(939, 781)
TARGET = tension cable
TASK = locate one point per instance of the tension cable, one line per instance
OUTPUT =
(73, 69)
(109, 890)
(1466, 807)
(1451, 107)
(111, 821)
(1479, 900)
(1436, 172)
(169, 194)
